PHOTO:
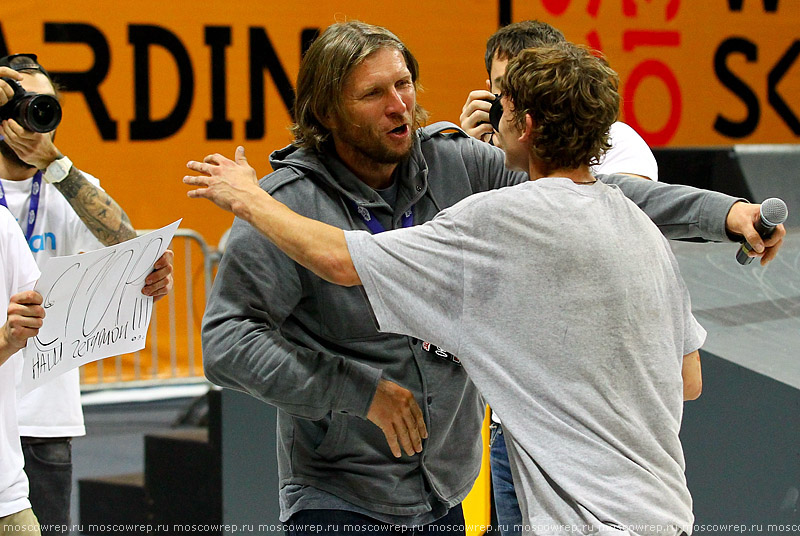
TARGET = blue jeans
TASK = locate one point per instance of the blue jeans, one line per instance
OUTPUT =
(506, 506)
(48, 464)
(333, 522)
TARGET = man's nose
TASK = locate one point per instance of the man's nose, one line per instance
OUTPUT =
(395, 103)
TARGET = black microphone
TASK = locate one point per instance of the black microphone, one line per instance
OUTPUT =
(773, 213)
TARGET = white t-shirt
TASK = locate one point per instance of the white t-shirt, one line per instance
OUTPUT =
(18, 273)
(54, 409)
(629, 154)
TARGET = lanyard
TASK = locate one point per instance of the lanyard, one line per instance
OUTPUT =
(374, 226)
(33, 207)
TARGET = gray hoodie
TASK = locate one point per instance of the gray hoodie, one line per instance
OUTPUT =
(275, 330)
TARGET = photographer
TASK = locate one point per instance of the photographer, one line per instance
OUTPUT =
(62, 211)
(629, 153)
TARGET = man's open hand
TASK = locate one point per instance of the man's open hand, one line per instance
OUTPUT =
(397, 414)
(230, 184)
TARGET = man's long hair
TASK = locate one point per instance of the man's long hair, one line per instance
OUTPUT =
(572, 97)
(330, 59)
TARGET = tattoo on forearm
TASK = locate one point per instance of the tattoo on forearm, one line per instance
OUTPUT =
(96, 209)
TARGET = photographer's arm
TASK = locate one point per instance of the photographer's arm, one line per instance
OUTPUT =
(110, 225)
(98, 211)
(232, 186)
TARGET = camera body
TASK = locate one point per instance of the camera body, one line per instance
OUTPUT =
(33, 111)
(495, 112)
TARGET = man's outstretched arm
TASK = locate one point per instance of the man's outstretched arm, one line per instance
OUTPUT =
(232, 185)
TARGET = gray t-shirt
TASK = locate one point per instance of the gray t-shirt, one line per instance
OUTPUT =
(566, 307)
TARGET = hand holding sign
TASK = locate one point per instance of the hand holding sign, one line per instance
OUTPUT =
(95, 306)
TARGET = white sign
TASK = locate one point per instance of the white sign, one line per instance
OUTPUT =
(94, 306)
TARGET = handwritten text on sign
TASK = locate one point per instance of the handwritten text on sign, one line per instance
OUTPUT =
(94, 306)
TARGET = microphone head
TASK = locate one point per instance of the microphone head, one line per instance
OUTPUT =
(774, 211)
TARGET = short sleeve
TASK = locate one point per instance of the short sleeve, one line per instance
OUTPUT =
(694, 335)
(629, 154)
(82, 239)
(18, 261)
(414, 279)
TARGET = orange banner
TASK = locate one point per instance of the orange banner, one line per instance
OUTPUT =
(694, 73)
(150, 85)
(153, 84)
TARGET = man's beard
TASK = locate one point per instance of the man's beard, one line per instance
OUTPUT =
(379, 153)
(11, 158)
(367, 142)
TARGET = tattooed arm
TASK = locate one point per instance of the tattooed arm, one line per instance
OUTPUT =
(96, 209)
(109, 223)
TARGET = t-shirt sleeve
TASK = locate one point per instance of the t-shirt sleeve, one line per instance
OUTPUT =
(82, 239)
(694, 335)
(629, 154)
(20, 259)
(414, 279)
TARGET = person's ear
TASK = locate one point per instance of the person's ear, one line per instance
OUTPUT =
(488, 85)
(527, 132)
(327, 119)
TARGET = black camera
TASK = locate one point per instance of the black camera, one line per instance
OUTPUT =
(34, 111)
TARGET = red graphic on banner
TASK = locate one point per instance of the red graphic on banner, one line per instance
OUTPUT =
(632, 39)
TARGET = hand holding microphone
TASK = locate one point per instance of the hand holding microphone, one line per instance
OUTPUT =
(772, 213)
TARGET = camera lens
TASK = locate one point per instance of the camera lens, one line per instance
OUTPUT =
(39, 113)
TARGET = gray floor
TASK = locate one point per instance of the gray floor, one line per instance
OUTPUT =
(114, 441)
(751, 313)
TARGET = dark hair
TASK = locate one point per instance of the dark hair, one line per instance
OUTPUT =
(323, 70)
(510, 40)
(572, 97)
(28, 64)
